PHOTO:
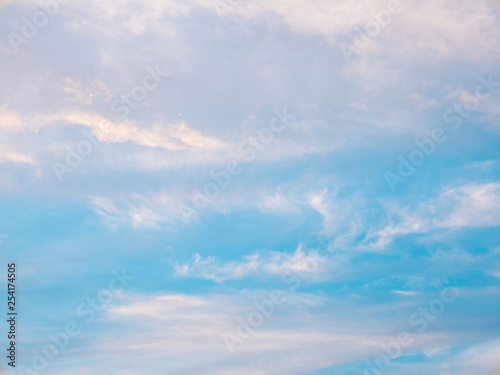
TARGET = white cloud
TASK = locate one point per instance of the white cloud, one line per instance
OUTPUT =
(351, 228)
(422, 27)
(10, 120)
(480, 358)
(278, 204)
(271, 264)
(137, 210)
(182, 333)
(468, 206)
(159, 136)
(9, 154)
(168, 136)
(473, 206)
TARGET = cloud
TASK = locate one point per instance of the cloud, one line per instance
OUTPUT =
(473, 206)
(478, 358)
(8, 154)
(129, 17)
(232, 62)
(169, 137)
(175, 136)
(468, 206)
(10, 119)
(337, 20)
(278, 204)
(180, 326)
(271, 264)
(306, 332)
(352, 227)
(137, 210)
(161, 136)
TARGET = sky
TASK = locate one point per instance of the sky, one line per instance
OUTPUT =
(251, 187)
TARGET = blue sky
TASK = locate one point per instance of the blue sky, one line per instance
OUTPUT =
(218, 187)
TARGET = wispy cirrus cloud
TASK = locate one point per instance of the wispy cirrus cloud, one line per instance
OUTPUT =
(167, 136)
(472, 205)
(270, 264)
(469, 206)
(179, 326)
(231, 63)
